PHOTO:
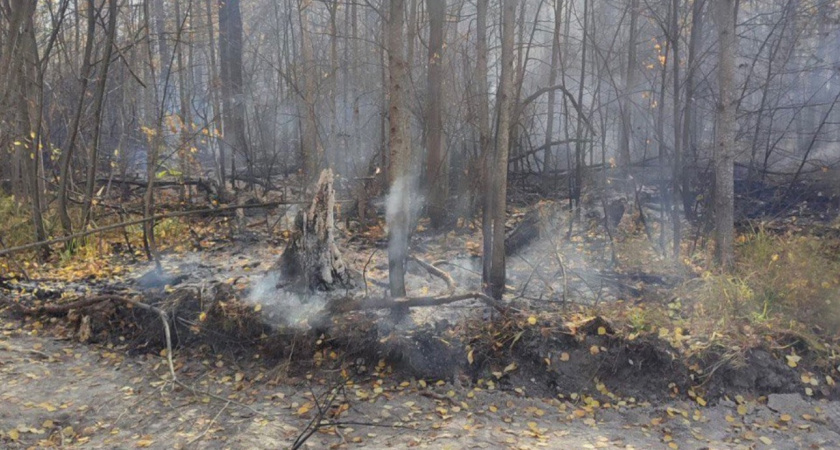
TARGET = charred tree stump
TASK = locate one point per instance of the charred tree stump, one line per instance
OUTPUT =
(312, 259)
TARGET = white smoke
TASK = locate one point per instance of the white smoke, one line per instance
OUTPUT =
(281, 307)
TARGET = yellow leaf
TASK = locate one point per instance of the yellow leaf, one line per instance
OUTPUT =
(258, 307)
(785, 418)
(143, 443)
(470, 357)
(304, 408)
(701, 401)
(594, 350)
(493, 408)
(742, 410)
(532, 320)
(202, 317)
(766, 440)
(13, 434)
(564, 356)
(793, 360)
(510, 367)
(602, 331)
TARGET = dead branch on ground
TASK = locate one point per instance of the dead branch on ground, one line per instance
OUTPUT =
(90, 301)
(434, 271)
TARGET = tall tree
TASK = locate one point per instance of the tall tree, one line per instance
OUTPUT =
(399, 147)
(624, 154)
(313, 153)
(233, 102)
(487, 151)
(724, 153)
(98, 101)
(67, 155)
(504, 105)
(548, 163)
(437, 173)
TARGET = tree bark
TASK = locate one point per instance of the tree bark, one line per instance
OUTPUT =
(724, 156)
(67, 155)
(313, 153)
(98, 101)
(437, 173)
(625, 156)
(230, 59)
(505, 107)
(400, 178)
(487, 159)
(548, 164)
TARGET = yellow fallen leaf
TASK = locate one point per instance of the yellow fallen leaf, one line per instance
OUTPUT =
(602, 331)
(564, 356)
(766, 440)
(258, 307)
(594, 350)
(13, 434)
(510, 367)
(742, 410)
(143, 443)
(532, 320)
(785, 418)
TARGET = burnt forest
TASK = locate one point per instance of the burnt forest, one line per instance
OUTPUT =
(442, 224)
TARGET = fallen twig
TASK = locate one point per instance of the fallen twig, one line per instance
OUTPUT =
(450, 283)
(210, 425)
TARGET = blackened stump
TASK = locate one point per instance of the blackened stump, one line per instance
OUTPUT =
(312, 259)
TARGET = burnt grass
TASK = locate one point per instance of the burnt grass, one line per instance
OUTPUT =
(542, 359)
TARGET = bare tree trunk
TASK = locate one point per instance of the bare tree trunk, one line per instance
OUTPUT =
(487, 152)
(67, 155)
(184, 151)
(625, 158)
(437, 173)
(400, 181)
(233, 102)
(505, 108)
(98, 101)
(214, 92)
(724, 157)
(689, 137)
(313, 153)
(548, 164)
(29, 103)
(674, 33)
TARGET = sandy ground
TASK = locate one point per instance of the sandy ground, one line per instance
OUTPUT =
(62, 393)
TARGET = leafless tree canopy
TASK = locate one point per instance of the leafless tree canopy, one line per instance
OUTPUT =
(450, 104)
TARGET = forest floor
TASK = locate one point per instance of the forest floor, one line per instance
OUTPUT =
(595, 352)
(59, 393)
